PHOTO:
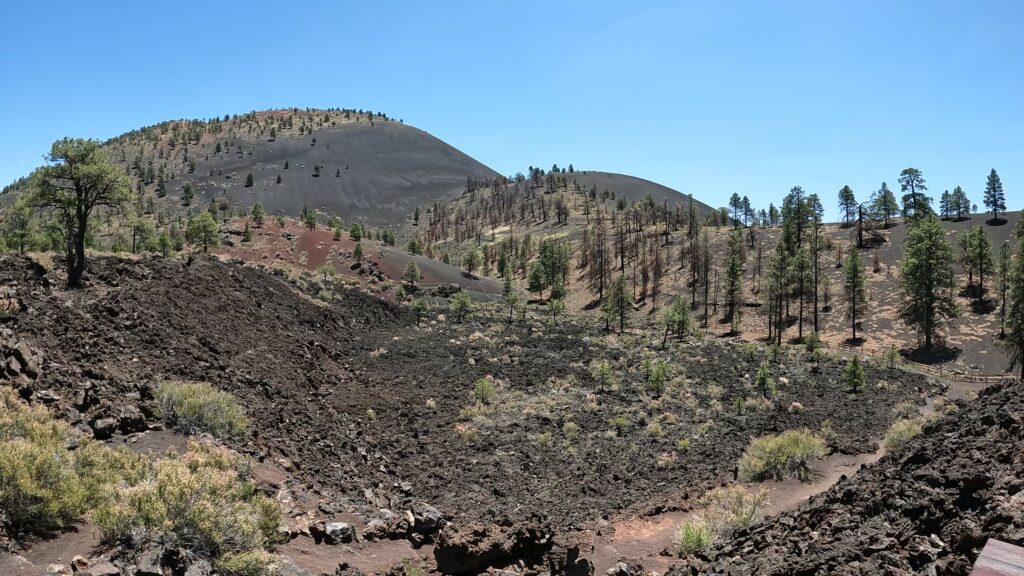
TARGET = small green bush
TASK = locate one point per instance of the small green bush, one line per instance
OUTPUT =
(483, 391)
(619, 424)
(204, 501)
(853, 376)
(571, 431)
(694, 535)
(198, 407)
(735, 506)
(543, 439)
(43, 485)
(906, 410)
(248, 563)
(656, 378)
(788, 455)
(901, 432)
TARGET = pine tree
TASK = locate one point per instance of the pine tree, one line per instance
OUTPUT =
(248, 180)
(460, 305)
(945, 205)
(847, 204)
(883, 204)
(676, 319)
(259, 214)
(854, 374)
(959, 202)
(187, 195)
(620, 299)
(735, 204)
(1004, 278)
(855, 288)
(801, 280)
(508, 292)
(471, 261)
(926, 270)
(734, 280)
(166, 246)
(78, 178)
(764, 381)
(1015, 318)
(995, 200)
(411, 274)
(357, 252)
(246, 233)
(981, 248)
(915, 202)
(535, 281)
(419, 308)
(203, 229)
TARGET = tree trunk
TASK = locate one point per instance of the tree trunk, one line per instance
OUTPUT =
(76, 256)
(853, 324)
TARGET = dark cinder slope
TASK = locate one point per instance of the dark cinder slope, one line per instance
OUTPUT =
(633, 188)
(377, 173)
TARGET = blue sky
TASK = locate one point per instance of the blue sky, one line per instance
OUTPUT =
(711, 98)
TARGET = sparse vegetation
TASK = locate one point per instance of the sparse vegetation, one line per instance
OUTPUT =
(194, 408)
(901, 432)
(44, 486)
(203, 500)
(787, 455)
(735, 507)
(694, 535)
(483, 391)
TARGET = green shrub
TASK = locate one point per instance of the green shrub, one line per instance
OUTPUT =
(764, 382)
(619, 424)
(788, 455)
(735, 506)
(694, 535)
(901, 432)
(204, 501)
(199, 407)
(44, 485)
(483, 391)
(543, 439)
(656, 377)
(853, 376)
(812, 342)
(906, 410)
(571, 431)
(248, 563)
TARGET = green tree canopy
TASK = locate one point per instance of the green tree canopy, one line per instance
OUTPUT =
(927, 271)
(203, 230)
(78, 179)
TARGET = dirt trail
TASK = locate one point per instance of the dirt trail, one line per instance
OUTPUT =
(645, 539)
(368, 557)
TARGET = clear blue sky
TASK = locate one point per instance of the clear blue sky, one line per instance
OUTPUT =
(711, 98)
